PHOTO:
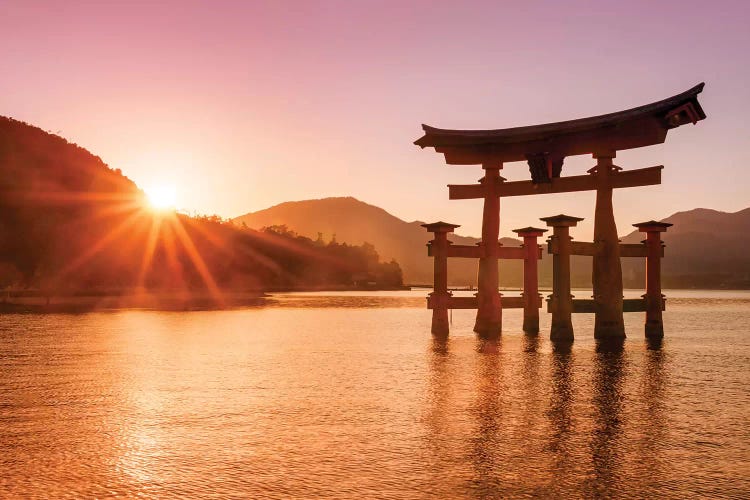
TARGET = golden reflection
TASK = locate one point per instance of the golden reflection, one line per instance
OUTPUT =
(438, 416)
(609, 402)
(531, 379)
(561, 401)
(654, 379)
(488, 346)
(486, 457)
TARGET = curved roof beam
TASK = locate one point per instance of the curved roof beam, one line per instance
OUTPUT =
(633, 128)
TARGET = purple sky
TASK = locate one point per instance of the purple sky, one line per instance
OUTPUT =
(242, 105)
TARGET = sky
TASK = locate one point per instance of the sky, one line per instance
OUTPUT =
(242, 105)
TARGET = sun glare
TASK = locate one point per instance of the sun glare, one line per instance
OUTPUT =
(161, 197)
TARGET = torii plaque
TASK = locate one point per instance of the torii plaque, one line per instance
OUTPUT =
(544, 148)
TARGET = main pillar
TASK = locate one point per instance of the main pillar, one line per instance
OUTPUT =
(489, 312)
(439, 298)
(607, 271)
(561, 301)
(531, 295)
(654, 299)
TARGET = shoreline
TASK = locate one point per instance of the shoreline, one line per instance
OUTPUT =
(35, 301)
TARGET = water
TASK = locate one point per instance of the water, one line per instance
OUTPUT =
(347, 396)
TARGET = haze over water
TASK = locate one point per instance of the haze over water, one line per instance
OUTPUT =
(347, 395)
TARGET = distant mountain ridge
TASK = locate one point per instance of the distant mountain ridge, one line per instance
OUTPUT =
(705, 248)
(353, 221)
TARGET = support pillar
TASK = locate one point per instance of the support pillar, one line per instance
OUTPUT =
(531, 295)
(440, 296)
(561, 300)
(607, 271)
(489, 312)
(654, 326)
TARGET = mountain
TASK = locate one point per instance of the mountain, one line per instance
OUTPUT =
(705, 248)
(353, 221)
(48, 189)
(69, 224)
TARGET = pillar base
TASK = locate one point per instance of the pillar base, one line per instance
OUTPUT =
(609, 330)
(654, 343)
(440, 326)
(654, 329)
(489, 322)
(488, 329)
(561, 332)
(608, 321)
(531, 325)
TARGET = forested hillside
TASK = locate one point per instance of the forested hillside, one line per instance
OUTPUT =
(69, 222)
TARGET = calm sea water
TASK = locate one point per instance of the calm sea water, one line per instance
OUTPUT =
(348, 396)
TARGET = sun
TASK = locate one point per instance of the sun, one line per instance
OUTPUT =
(162, 197)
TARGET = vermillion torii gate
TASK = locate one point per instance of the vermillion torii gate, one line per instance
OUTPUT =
(544, 148)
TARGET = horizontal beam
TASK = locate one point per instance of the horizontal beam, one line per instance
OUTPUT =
(465, 191)
(636, 250)
(479, 251)
(466, 251)
(590, 249)
(518, 302)
(511, 253)
(473, 302)
(454, 302)
(625, 178)
(576, 247)
(590, 306)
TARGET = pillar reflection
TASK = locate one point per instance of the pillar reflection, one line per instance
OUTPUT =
(531, 379)
(654, 381)
(486, 452)
(438, 389)
(561, 401)
(438, 408)
(608, 401)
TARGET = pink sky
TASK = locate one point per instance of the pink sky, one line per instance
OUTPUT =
(242, 105)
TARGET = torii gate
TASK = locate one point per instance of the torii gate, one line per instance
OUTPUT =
(544, 148)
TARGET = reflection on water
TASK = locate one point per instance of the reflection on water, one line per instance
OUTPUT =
(489, 413)
(608, 400)
(560, 412)
(352, 398)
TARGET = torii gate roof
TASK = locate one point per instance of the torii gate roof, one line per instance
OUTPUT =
(633, 128)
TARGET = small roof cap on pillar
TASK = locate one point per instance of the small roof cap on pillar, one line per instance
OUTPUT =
(440, 227)
(652, 226)
(530, 231)
(561, 220)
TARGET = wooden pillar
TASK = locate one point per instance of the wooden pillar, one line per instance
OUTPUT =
(531, 297)
(607, 271)
(489, 312)
(439, 298)
(654, 299)
(561, 301)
